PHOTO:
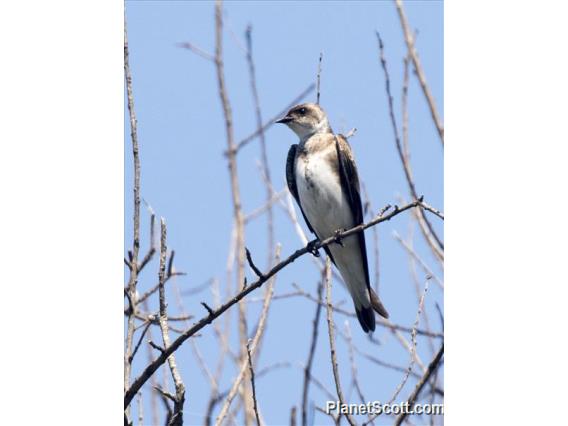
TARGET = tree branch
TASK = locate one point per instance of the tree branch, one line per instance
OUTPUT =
(318, 79)
(425, 225)
(333, 352)
(255, 406)
(409, 39)
(177, 416)
(133, 279)
(311, 354)
(270, 122)
(432, 367)
(208, 319)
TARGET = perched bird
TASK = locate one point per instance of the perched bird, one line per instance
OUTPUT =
(322, 176)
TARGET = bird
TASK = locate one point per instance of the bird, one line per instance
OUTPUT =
(321, 175)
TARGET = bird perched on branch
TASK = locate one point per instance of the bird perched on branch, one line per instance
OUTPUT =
(322, 176)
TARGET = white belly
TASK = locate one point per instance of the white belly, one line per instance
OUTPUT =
(323, 201)
(327, 209)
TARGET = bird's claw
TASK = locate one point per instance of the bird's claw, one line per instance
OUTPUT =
(338, 238)
(311, 247)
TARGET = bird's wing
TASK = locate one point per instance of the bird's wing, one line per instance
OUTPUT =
(350, 185)
(291, 181)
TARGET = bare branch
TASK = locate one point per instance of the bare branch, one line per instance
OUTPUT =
(380, 321)
(333, 353)
(152, 367)
(270, 122)
(335, 418)
(154, 289)
(253, 346)
(412, 253)
(153, 381)
(264, 155)
(199, 288)
(133, 279)
(197, 50)
(265, 207)
(308, 368)
(413, 352)
(235, 192)
(432, 367)
(139, 341)
(177, 416)
(252, 265)
(140, 409)
(354, 377)
(391, 366)
(252, 383)
(351, 133)
(157, 347)
(426, 227)
(433, 210)
(409, 39)
(318, 79)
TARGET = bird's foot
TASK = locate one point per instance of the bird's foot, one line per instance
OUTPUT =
(338, 238)
(311, 247)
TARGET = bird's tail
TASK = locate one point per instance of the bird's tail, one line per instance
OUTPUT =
(377, 305)
(366, 318)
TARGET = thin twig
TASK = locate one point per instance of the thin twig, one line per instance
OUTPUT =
(391, 366)
(235, 192)
(264, 155)
(380, 321)
(199, 288)
(351, 133)
(433, 210)
(153, 381)
(266, 206)
(139, 341)
(413, 335)
(318, 79)
(432, 367)
(409, 39)
(311, 354)
(333, 351)
(354, 378)
(412, 253)
(133, 279)
(318, 383)
(335, 418)
(251, 369)
(177, 415)
(425, 225)
(251, 264)
(154, 289)
(253, 346)
(197, 50)
(270, 122)
(416, 281)
(140, 410)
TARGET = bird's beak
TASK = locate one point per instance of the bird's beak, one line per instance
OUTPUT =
(284, 120)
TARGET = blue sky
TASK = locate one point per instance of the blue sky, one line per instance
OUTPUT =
(185, 176)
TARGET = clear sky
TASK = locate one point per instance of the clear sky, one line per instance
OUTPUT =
(185, 176)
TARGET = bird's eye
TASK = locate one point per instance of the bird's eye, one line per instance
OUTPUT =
(302, 111)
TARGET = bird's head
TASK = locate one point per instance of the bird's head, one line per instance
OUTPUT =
(306, 120)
